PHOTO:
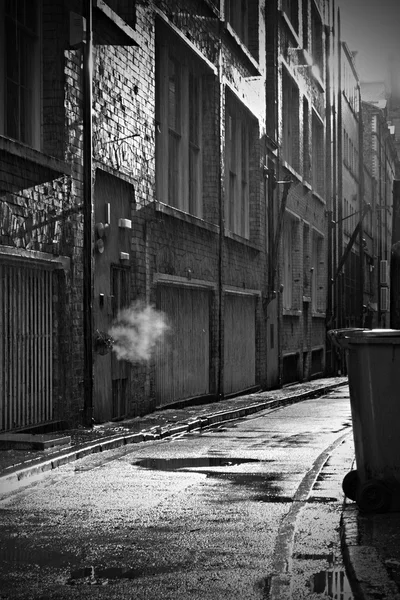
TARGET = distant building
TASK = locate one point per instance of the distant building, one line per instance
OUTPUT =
(381, 159)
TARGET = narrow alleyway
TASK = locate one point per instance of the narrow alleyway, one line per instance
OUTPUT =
(249, 509)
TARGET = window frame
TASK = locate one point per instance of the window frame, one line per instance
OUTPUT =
(317, 275)
(317, 42)
(33, 118)
(243, 17)
(307, 163)
(291, 10)
(237, 165)
(287, 268)
(188, 161)
(290, 120)
(237, 15)
(318, 154)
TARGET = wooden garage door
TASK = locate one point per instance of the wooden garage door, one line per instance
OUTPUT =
(239, 343)
(182, 361)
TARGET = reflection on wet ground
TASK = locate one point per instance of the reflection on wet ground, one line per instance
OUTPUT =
(333, 582)
(173, 464)
(99, 575)
(266, 485)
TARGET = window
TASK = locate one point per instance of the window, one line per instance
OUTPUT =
(242, 15)
(20, 116)
(238, 16)
(306, 141)
(291, 9)
(316, 39)
(317, 276)
(318, 155)
(287, 267)
(306, 27)
(290, 121)
(179, 94)
(125, 9)
(239, 130)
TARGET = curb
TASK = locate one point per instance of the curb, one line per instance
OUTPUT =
(42, 465)
(366, 570)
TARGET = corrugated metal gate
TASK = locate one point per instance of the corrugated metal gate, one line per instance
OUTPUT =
(183, 359)
(239, 342)
(26, 345)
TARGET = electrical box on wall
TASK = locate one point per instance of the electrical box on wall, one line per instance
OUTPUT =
(384, 299)
(384, 273)
(125, 223)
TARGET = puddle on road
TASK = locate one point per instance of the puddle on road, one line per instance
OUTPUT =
(265, 485)
(174, 464)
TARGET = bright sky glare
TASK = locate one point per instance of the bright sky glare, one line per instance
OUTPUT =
(372, 27)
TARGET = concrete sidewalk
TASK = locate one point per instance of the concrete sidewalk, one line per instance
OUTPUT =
(16, 464)
(370, 543)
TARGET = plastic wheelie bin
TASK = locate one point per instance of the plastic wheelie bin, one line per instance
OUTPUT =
(373, 361)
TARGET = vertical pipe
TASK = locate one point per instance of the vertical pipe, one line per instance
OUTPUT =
(329, 189)
(361, 203)
(87, 221)
(2, 338)
(220, 100)
(339, 151)
(334, 168)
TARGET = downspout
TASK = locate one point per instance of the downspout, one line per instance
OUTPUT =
(334, 174)
(274, 257)
(87, 221)
(339, 288)
(361, 204)
(328, 170)
(220, 386)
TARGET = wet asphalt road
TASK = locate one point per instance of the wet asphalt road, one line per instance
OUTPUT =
(248, 510)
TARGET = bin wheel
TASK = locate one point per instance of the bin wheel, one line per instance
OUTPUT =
(350, 484)
(373, 496)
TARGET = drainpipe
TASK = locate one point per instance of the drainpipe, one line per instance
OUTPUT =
(87, 221)
(328, 168)
(339, 153)
(220, 385)
(361, 203)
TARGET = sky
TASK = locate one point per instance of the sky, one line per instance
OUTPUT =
(372, 27)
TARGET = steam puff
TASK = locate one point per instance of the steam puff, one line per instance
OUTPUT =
(136, 331)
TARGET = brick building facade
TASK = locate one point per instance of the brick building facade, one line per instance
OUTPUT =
(178, 197)
(212, 183)
(300, 133)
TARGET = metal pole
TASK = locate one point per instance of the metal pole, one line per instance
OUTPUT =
(87, 220)
(361, 204)
(221, 202)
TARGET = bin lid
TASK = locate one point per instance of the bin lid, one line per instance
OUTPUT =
(383, 335)
(379, 332)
